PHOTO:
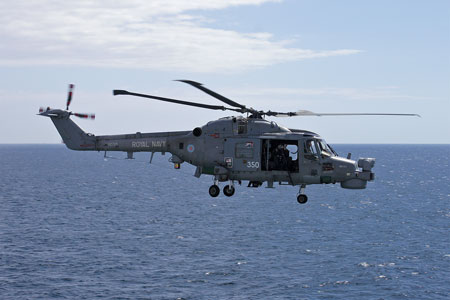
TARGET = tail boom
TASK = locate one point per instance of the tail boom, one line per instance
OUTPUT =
(76, 139)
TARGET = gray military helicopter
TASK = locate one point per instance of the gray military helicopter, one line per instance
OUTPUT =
(232, 149)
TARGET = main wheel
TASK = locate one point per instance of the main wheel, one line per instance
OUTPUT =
(302, 199)
(214, 190)
(228, 190)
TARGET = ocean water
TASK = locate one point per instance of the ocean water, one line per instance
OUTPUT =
(74, 225)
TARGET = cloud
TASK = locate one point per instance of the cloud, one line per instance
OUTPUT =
(160, 35)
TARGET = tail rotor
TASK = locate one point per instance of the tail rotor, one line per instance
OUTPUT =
(69, 95)
(58, 112)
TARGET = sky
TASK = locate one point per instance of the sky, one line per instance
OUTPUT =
(283, 55)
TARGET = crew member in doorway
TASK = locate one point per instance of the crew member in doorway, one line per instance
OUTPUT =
(281, 157)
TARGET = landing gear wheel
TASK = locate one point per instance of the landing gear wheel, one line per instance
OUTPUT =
(228, 190)
(302, 198)
(214, 190)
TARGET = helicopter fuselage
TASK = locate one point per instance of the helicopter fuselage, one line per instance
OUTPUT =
(238, 148)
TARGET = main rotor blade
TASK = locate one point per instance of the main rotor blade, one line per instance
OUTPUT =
(302, 113)
(214, 94)
(215, 107)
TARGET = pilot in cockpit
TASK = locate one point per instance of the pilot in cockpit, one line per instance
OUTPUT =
(309, 147)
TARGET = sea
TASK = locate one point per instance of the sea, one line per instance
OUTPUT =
(79, 225)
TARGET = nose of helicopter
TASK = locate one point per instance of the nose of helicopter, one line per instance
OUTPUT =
(343, 167)
(362, 172)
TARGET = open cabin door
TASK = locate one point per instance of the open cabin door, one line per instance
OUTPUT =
(280, 155)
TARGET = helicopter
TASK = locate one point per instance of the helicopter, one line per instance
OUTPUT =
(247, 147)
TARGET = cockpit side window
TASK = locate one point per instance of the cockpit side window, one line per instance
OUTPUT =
(310, 150)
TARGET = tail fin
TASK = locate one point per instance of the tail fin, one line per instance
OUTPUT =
(73, 136)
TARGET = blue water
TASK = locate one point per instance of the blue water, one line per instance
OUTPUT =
(74, 225)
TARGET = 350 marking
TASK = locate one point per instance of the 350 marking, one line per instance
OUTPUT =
(253, 164)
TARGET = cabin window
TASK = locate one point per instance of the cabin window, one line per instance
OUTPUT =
(242, 127)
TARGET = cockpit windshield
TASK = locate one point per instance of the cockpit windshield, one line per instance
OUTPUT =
(323, 146)
(313, 148)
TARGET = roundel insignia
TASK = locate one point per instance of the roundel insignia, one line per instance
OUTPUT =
(190, 148)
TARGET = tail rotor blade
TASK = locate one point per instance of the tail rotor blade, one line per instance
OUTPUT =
(85, 116)
(69, 96)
